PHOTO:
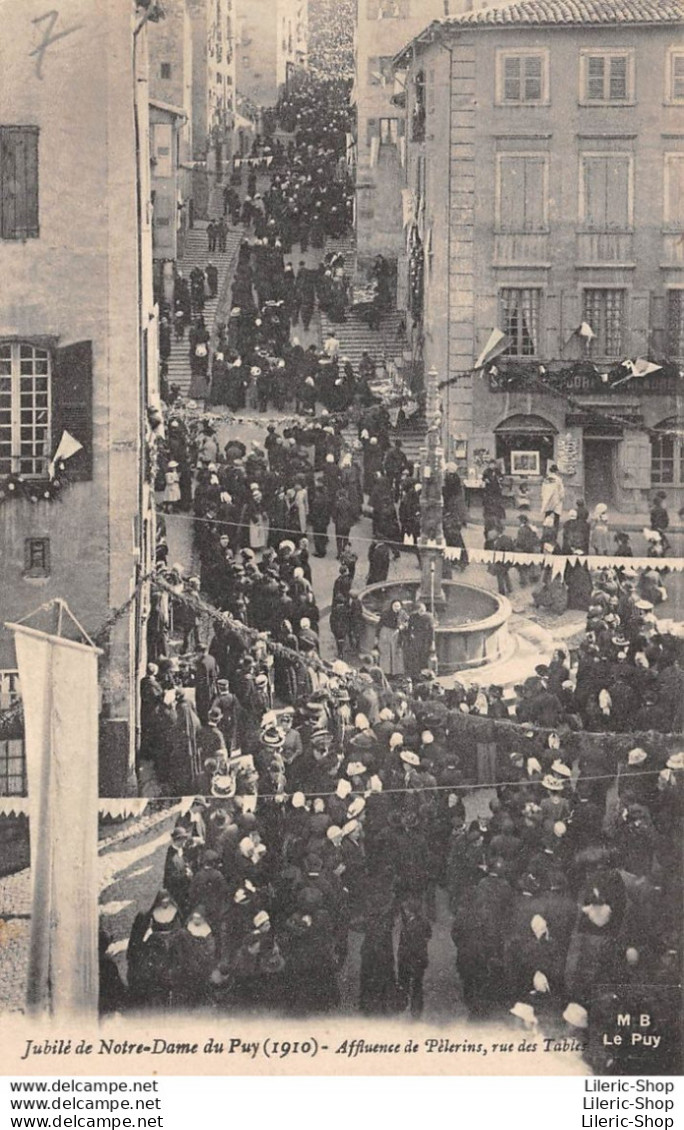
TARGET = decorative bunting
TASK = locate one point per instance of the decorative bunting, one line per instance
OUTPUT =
(122, 809)
(558, 561)
(14, 806)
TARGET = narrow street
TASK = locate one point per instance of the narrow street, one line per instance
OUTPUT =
(131, 874)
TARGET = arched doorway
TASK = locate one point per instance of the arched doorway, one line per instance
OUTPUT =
(525, 444)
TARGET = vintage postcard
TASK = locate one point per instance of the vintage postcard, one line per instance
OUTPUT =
(341, 537)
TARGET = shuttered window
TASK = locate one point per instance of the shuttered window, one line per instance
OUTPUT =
(522, 78)
(676, 77)
(42, 395)
(18, 182)
(521, 193)
(607, 76)
(606, 191)
(24, 409)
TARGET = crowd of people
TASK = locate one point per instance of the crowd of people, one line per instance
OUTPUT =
(331, 39)
(336, 799)
(352, 810)
(572, 531)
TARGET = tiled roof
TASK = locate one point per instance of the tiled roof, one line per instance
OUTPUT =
(552, 13)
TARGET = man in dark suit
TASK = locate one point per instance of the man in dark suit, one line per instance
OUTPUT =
(421, 636)
(177, 871)
(206, 674)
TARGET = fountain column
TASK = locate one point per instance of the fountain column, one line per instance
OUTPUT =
(431, 540)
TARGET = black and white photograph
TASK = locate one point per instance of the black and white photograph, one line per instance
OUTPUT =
(342, 519)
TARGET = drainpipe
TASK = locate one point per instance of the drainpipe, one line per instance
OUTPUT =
(448, 47)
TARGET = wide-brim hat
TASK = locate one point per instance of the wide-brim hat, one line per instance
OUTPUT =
(553, 784)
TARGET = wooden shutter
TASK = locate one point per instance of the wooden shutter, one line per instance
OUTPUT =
(18, 182)
(606, 188)
(618, 217)
(72, 404)
(522, 207)
(512, 193)
(535, 209)
(571, 310)
(635, 461)
(659, 342)
(594, 185)
(638, 324)
(674, 190)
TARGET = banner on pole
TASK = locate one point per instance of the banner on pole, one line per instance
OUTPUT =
(60, 698)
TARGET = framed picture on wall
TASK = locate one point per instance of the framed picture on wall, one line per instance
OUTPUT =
(525, 463)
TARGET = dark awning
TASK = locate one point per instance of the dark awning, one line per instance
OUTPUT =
(526, 425)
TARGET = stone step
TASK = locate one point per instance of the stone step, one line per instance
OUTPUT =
(355, 337)
(411, 442)
(196, 254)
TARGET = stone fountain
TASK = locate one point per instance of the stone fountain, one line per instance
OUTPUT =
(472, 623)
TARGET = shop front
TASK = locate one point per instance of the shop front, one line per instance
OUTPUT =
(525, 445)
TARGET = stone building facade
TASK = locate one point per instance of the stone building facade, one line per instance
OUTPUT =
(382, 28)
(545, 199)
(271, 48)
(77, 342)
(213, 24)
(171, 152)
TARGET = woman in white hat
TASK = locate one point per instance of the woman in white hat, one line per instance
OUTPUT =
(172, 493)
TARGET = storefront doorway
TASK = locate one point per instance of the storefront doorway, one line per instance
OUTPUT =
(600, 462)
(525, 441)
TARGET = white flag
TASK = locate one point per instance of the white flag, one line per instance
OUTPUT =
(498, 341)
(642, 368)
(66, 447)
(586, 331)
(638, 368)
(60, 696)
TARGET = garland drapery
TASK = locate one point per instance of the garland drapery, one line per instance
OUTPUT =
(508, 375)
(611, 746)
(556, 378)
(34, 490)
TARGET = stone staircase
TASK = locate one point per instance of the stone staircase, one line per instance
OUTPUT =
(345, 246)
(355, 337)
(197, 255)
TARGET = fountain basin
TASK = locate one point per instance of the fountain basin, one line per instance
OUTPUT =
(472, 629)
